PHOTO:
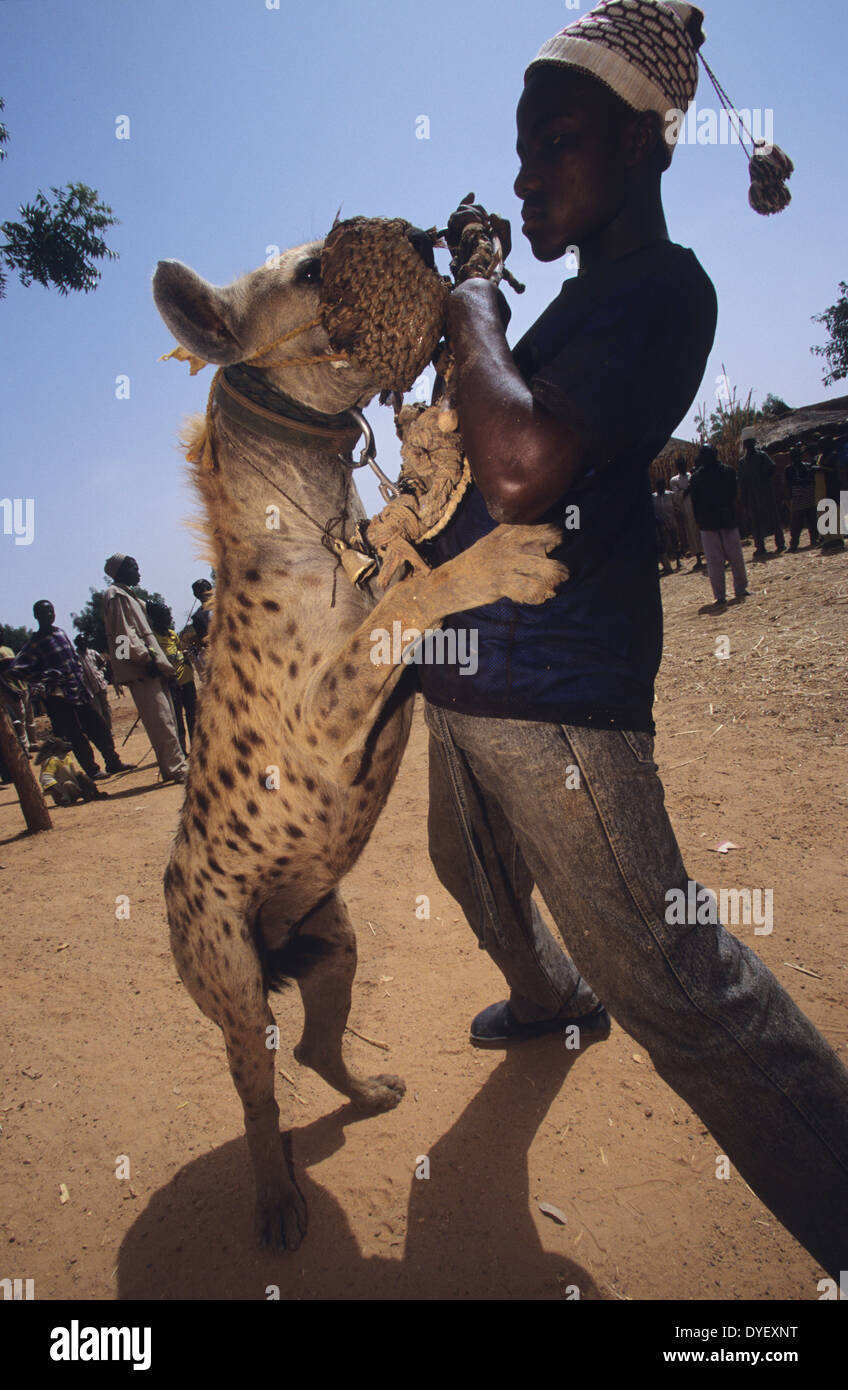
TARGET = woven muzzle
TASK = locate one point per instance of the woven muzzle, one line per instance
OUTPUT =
(380, 302)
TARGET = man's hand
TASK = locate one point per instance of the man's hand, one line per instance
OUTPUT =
(479, 242)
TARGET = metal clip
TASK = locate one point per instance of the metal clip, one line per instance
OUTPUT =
(387, 488)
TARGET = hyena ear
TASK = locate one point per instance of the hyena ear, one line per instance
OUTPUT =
(196, 313)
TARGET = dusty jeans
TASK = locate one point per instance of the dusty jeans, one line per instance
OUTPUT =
(581, 813)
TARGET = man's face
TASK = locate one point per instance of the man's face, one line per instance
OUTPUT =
(44, 613)
(130, 572)
(573, 179)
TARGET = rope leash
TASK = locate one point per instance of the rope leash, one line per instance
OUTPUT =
(337, 545)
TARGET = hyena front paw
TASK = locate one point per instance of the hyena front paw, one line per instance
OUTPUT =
(375, 1093)
(510, 562)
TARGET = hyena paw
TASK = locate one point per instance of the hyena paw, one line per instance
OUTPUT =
(528, 574)
(375, 1093)
(510, 562)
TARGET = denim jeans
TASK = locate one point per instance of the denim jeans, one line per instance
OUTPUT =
(581, 813)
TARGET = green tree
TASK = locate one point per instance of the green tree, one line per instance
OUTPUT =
(14, 637)
(56, 243)
(723, 428)
(835, 351)
(774, 406)
(90, 621)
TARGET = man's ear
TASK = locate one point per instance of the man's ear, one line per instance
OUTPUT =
(643, 140)
(196, 313)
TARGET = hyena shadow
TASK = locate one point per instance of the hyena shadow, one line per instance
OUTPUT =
(467, 1232)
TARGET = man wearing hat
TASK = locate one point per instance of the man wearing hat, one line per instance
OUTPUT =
(541, 763)
(138, 661)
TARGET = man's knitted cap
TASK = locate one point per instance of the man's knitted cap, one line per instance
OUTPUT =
(113, 564)
(646, 51)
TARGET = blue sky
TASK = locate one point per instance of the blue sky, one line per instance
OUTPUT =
(249, 126)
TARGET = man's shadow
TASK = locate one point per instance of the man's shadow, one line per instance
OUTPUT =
(470, 1234)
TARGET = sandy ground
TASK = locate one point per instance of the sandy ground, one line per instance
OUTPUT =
(107, 1066)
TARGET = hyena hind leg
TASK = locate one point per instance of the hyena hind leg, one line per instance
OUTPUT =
(322, 957)
(232, 994)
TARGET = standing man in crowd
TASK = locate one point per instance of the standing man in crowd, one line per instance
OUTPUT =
(713, 494)
(756, 493)
(542, 763)
(687, 526)
(139, 662)
(12, 696)
(202, 590)
(49, 658)
(182, 687)
(801, 484)
(94, 675)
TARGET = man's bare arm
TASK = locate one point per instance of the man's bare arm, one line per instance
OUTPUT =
(522, 457)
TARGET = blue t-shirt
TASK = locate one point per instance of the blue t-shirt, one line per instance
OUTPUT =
(619, 354)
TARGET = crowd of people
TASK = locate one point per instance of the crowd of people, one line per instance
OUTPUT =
(68, 681)
(706, 512)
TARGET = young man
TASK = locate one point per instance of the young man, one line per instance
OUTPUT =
(542, 762)
(801, 483)
(139, 662)
(181, 685)
(713, 494)
(201, 588)
(756, 493)
(93, 671)
(688, 529)
(49, 657)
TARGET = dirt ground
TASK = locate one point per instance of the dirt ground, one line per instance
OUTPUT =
(108, 1067)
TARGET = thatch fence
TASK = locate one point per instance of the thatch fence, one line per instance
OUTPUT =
(812, 428)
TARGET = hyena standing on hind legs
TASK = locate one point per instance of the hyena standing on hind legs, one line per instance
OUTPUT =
(251, 886)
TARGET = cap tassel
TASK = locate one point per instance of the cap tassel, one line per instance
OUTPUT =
(769, 167)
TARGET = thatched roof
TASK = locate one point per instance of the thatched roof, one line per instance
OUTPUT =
(807, 426)
(663, 464)
(674, 447)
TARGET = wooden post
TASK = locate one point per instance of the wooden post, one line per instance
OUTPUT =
(29, 792)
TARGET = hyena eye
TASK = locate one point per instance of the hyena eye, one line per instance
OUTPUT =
(309, 272)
